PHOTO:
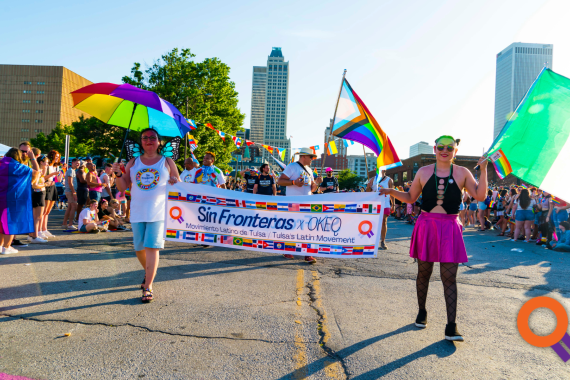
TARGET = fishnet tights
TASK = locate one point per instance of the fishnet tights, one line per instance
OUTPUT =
(448, 273)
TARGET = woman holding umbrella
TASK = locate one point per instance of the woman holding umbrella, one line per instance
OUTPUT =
(147, 176)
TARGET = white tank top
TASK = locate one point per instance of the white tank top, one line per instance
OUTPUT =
(385, 184)
(148, 191)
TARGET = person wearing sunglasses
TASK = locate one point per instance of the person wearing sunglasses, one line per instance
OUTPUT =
(437, 236)
(147, 176)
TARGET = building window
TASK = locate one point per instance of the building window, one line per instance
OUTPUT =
(405, 176)
(26, 111)
(41, 83)
(27, 92)
(39, 102)
(27, 82)
(39, 111)
(26, 101)
(39, 121)
(40, 92)
(37, 130)
(25, 120)
(24, 138)
(395, 177)
(24, 130)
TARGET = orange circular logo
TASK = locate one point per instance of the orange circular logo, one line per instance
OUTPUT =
(176, 210)
(561, 321)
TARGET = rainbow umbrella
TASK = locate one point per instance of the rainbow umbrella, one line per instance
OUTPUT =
(130, 107)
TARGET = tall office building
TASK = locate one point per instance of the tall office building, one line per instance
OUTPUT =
(421, 148)
(338, 141)
(517, 67)
(34, 99)
(269, 104)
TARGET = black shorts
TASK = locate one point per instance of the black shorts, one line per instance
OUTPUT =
(51, 193)
(82, 195)
(38, 199)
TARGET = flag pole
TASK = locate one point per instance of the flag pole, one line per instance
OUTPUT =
(365, 161)
(332, 122)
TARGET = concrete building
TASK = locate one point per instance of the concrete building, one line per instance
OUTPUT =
(517, 67)
(357, 163)
(34, 99)
(421, 148)
(269, 104)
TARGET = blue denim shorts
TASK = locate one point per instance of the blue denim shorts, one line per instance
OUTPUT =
(473, 206)
(524, 215)
(148, 235)
(481, 206)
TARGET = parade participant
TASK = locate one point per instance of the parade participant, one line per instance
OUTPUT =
(209, 174)
(107, 180)
(82, 188)
(376, 183)
(437, 236)
(38, 200)
(147, 176)
(189, 169)
(264, 183)
(71, 195)
(94, 182)
(482, 206)
(330, 183)
(51, 175)
(16, 178)
(524, 215)
(298, 178)
(250, 178)
(25, 146)
(563, 244)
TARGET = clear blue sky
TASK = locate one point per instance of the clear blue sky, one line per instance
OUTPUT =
(424, 68)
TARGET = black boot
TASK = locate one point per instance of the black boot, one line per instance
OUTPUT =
(452, 334)
(421, 319)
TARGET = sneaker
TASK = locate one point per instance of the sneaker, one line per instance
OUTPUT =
(287, 256)
(48, 234)
(42, 235)
(5, 251)
(421, 319)
(19, 243)
(9, 250)
(310, 259)
(72, 227)
(383, 245)
(452, 334)
(37, 240)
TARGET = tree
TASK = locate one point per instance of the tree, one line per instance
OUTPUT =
(55, 140)
(202, 91)
(347, 179)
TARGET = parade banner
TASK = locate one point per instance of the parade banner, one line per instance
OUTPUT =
(325, 225)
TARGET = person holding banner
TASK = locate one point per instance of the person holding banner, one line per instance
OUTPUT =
(264, 183)
(250, 179)
(298, 178)
(437, 236)
(147, 176)
(330, 183)
(373, 185)
(189, 169)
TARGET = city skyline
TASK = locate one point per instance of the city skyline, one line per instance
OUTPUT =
(518, 65)
(424, 69)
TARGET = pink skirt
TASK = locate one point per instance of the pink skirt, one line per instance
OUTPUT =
(437, 238)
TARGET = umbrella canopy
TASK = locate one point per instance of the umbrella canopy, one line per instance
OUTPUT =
(130, 107)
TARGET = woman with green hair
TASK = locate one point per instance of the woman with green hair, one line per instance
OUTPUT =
(437, 236)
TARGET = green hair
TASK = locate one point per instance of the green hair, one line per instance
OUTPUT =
(447, 137)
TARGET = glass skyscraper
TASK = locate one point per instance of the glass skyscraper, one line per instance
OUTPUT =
(517, 67)
(269, 104)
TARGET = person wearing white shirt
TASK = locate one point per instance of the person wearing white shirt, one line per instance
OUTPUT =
(298, 177)
(190, 168)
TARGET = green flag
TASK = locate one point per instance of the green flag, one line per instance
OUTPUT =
(534, 144)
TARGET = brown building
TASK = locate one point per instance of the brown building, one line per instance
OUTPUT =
(407, 172)
(34, 99)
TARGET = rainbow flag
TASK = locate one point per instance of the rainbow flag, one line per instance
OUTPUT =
(315, 173)
(354, 121)
(502, 165)
(15, 198)
(491, 204)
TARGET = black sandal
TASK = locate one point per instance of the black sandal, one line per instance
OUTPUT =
(148, 298)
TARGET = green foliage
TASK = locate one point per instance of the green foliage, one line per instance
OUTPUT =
(347, 179)
(56, 140)
(202, 91)
(87, 136)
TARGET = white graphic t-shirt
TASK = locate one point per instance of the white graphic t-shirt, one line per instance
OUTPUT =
(187, 176)
(294, 171)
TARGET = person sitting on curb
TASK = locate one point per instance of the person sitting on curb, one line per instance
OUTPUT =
(88, 220)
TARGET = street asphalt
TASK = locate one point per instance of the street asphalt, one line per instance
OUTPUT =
(221, 313)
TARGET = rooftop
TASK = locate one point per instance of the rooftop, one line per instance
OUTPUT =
(276, 52)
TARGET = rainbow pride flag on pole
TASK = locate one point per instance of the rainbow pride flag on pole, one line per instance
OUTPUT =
(354, 121)
(16, 215)
(535, 141)
(502, 165)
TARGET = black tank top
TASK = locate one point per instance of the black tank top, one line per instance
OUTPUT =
(451, 198)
